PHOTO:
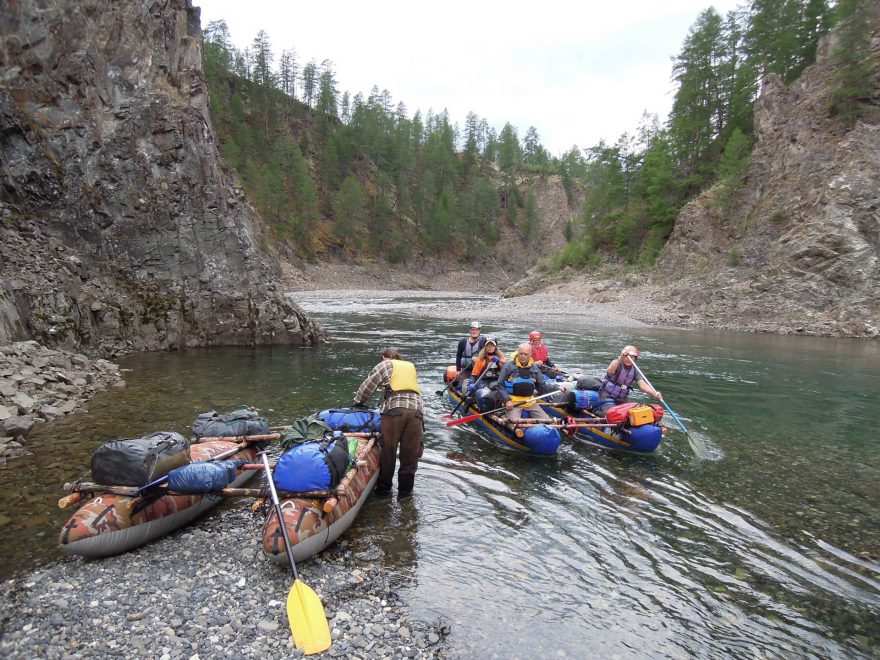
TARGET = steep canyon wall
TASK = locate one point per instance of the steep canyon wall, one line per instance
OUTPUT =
(119, 230)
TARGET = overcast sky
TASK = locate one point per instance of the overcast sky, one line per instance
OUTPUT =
(576, 71)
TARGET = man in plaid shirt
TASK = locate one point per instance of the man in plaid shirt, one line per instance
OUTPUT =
(402, 419)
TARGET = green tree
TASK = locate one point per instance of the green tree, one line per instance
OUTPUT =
(854, 79)
(349, 207)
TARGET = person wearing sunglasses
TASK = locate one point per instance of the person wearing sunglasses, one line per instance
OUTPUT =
(620, 377)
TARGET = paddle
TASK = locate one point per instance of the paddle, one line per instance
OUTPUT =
(470, 418)
(457, 379)
(696, 445)
(308, 622)
(466, 396)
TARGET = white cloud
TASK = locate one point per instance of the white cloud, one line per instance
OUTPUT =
(577, 72)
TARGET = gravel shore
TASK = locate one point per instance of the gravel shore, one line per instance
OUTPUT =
(207, 592)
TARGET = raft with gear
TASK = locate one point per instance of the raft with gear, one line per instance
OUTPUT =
(144, 488)
(534, 439)
(342, 465)
(632, 426)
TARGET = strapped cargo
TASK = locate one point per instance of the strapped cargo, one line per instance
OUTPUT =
(312, 466)
(202, 477)
(352, 420)
(634, 414)
(138, 461)
(240, 422)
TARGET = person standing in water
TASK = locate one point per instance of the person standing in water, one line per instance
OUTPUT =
(401, 421)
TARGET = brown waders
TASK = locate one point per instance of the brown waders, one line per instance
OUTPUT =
(400, 427)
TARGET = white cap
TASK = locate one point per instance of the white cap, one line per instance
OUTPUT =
(475, 324)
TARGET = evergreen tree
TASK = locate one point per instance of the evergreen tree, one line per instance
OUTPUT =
(349, 208)
(309, 82)
(854, 79)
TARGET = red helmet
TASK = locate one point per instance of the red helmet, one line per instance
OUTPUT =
(534, 334)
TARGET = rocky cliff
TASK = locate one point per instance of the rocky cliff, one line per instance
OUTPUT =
(799, 250)
(119, 230)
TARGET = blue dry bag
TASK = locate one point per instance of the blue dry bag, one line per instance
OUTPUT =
(313, 465)
(352, 420)
(202, 477)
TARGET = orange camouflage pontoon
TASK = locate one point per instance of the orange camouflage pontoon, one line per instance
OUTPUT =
(112, 523)
(313, 524)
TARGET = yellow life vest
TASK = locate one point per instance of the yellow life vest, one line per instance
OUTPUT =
(403, 377)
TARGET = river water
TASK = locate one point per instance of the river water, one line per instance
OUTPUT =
(771, 548)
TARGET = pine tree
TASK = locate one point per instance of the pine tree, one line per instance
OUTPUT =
(854, 80)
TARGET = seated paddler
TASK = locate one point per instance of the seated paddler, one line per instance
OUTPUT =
(485, 368)
(519, 381)
(620, 377)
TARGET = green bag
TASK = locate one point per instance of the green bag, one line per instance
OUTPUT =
(307, 429)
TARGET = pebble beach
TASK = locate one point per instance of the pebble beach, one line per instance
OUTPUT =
(207, 591)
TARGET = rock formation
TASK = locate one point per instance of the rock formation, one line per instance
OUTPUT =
(799, 251)
(119, 230)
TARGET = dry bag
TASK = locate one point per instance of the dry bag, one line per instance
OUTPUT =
(138, 461)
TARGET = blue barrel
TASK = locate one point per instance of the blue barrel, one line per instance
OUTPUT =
(643, 438)
(542, 440)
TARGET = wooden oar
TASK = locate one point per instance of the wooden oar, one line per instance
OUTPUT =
(308, 621)
(696, 444)
(131, 491)
(471, 418)
(267, 437)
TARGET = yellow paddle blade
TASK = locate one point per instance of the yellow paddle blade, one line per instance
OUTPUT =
(308, 623)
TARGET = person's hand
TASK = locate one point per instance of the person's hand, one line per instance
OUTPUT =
(472, 388)
(508, 405)
(658, 395)
(538, 363)
(564, 387)
(496, 359)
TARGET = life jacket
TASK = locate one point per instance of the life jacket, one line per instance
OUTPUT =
(481, 362)
(472, 348)
(403, 377)
(619, 385)
(521, 383)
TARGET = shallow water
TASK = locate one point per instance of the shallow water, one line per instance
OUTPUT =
(769, 549)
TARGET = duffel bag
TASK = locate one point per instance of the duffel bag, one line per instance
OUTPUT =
(306, 429)
(241, 422)
(138, 461)
(313, 465)
(202, 477)
(352, 420)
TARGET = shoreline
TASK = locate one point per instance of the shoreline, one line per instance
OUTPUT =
(632, 300)
(206, 591)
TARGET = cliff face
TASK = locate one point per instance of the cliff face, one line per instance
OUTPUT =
(800, 249)
(119, 231)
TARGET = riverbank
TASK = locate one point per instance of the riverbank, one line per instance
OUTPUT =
(207, 592)
(612, 298)
(39, 384)
(596, 302)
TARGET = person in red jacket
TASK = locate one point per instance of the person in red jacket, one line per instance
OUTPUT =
(539, 351)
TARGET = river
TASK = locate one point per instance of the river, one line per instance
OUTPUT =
(770, 548)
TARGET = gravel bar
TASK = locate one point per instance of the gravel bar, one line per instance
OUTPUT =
(207, 591)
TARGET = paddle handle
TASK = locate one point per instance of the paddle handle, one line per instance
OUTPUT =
(471, 418)
(279, 513)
